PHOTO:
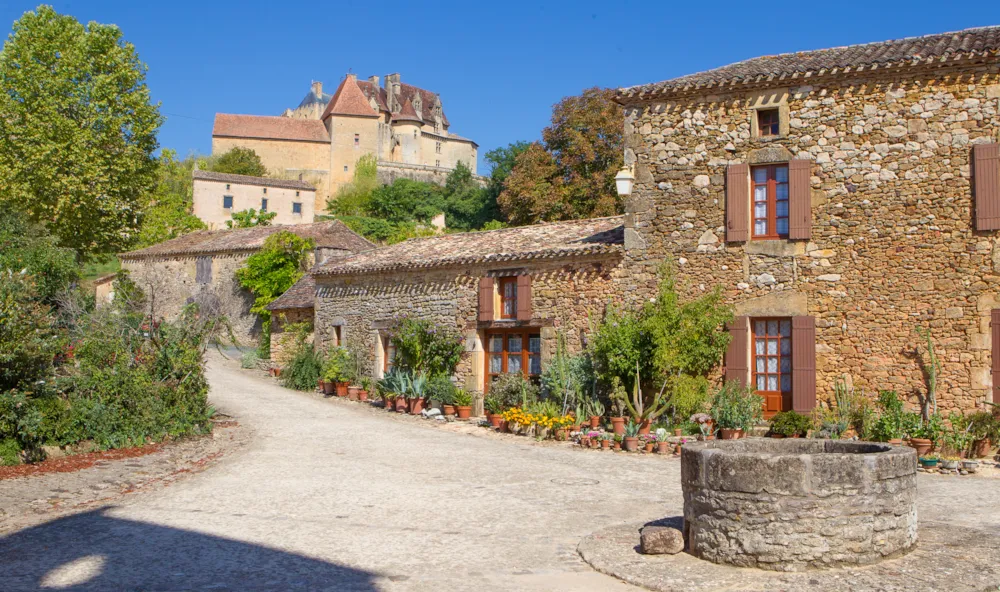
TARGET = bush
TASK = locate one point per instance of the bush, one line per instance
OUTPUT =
(888, 424)
(736, 407)
(249, 360)
(790, 423)
(336, 368)
(513, 390)
(10, 452)
(421, 347)
(304, 370)
(441, 389)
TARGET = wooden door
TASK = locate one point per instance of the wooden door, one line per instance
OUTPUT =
(772, 363)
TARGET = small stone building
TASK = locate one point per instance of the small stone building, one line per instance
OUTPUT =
(296, 305)
(509, 292)
(201, 267)
(218, 195)
(844, 199)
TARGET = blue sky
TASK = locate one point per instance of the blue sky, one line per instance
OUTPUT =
(499, 66)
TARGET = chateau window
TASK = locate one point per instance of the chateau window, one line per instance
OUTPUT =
(768, 122)
(772, 363)
(437, 163)
(263, 204)
(770, 201)
(357, 140)
(296, 207)
(516, 351)
(227, 202)
(508, 297)
(437, 147)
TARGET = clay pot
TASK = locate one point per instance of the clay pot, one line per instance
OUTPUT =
(585, 441)
(352, 392)
(319, 384)
(729, 434)
(980, 448)
(677, 449)
(630, 444)
(448, 409)
(644, 427)
(464, 411)
(416, 406)
(496, 419)
(342, 389)
(678, 432)
(663, 447)
(893, 441)
(329, 388)
(650, 446)
(616, 445)
(503, 426)
(401, 405)
(595, 421)
(921, 445)
(605, 444)
(777, 436)
(362, 394)
(618, 425)
(561, 434)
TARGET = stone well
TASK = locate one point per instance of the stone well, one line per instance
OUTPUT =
(795, 504)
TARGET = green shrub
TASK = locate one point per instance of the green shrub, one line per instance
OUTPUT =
(888, 424)
(513, 390)
(304, 370)
(249, 360)
(336, 367)
(423, 347)
(791, 423)
(736, 407)
(10, 452)
(441, 389)
(463, 398)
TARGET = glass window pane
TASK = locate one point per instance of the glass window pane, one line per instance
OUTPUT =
(782, 225)
(761, 383)
(759, 327)
(760, 210)
(772, 347)
(760, 175)
(786, 383)
(781, 209)
(760, 364)
(786, 347)
(772, 364)
(772, 328)
(514, 344)
(535, 344)
(786, 364)
(496, 343)
(760, 193)
(760, 227)
(513, 364)
(534, 364)
(781, 174)
(496, 364)
(772, 383)
(785, 328)
(781, 192)
(759, 347)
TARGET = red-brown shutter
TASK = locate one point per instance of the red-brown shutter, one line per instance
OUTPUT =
(995, 331)
(486, 299)
(803, 364)
(737, 203)
(986, 182)
(799, 199)
(524, 297)
(737, 356)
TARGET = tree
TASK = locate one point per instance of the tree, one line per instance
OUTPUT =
(467, 205)
(27, 246)
(570, 174)
(250, 218)
(168, 212)
(353, 198)
(78, 130)
(239, 161)
(502, 161)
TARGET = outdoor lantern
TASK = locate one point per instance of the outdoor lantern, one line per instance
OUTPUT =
(624, 180)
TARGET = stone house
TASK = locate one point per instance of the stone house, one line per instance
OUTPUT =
(320, 141)
(296, 305)
(509, 292)
(218, 195)
(845, 199)
(201, 267)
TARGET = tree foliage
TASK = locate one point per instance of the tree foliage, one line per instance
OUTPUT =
(168, 210)
(271, 271)
(570, 173)
(239, 161)
(250, 218)
(29, 247)
(78, 130)
(353, 198)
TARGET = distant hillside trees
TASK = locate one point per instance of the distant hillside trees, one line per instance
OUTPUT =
(168, 208)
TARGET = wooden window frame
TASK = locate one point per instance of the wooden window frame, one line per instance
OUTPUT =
(263, 204)
(770, 202)
(501, 283)
(525, 353)
(297, 206)
(772, 125)
(224, 198)
(786, 397)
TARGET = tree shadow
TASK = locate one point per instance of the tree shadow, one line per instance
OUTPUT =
(95, 551)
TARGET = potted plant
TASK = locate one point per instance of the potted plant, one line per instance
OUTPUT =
(644, 413)
(970, 465)
(662, 446)
(648, 442)
(631, 440)
(736, 407)
(366, 387)
(924, 433)
(788, 424)
(928, 462)
(463, 403)
(956, 439)
(983, 427)
(335, 370)
(441, 390)
(616, 443)
(618, 397)
(594, 409)
(706, 427)
(417, 394)
(494, 407)
(888, 426)
(606, 440)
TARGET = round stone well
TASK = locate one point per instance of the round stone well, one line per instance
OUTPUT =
(794, 504)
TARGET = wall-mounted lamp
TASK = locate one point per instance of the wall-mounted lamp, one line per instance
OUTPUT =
(624, 181)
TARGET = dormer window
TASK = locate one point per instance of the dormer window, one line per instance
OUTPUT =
(768, 123)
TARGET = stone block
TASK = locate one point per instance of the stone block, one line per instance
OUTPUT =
(660, 540)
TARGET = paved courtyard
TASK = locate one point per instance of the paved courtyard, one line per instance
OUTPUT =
(331, 496)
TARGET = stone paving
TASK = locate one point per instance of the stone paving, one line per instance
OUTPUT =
(331, 495)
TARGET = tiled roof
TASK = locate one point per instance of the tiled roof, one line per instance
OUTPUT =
(407, 113)
(374, 90)
(427, 100)
(940, 48)
(269, 128)
(249, 180)
(333, 234)
(301, 295)
(542, 241)
(349, 100)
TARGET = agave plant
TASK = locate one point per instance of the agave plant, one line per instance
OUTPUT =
(417, 386)
(631, 430)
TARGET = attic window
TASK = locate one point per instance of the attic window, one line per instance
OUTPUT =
(296, 194)
(227, 186)
(345, 168)
(265, 191)
(357, 140)
(768, 123)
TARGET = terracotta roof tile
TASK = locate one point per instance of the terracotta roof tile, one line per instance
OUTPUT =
(269, 127)
(349, 100)
(333, 235)
(541, 241)
(407, 113)
(937, 48)
(427, 99)
(301, 295)
(374, 90)
(249, 180)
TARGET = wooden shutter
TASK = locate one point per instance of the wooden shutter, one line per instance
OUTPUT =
(995, 353)
(737, 355)
(986, 183)
(524, 297)
(737, 203)
(203, 270)
(799, 199)
(803, 364)
(486, 299)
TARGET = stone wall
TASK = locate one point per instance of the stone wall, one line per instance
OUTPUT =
(563, 294)
(390, 171)
(893, 247)
(283, 341)
(169, 284)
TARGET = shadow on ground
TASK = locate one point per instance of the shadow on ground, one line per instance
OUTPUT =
(95, 551)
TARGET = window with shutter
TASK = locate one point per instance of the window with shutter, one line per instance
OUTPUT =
(770, 201)
(203, 270)
(736, 355)
(803, 364)
(524, 297)
(986, 185)
(799, 199)
(486, 299)
(737, 203)
(995, 353)
(772, 363)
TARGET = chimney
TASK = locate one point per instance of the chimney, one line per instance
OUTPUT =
(317, 88)
(374, 81)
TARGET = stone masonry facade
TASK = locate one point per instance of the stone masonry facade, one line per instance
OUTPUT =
(893, 246)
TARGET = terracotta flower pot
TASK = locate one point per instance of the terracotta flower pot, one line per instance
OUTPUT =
(730, 434)
(319, 384)
(616, 445)
(644, 427)
(464, 411)
(561, 434)
(342, 389)
(401, 405)
(777, 436)
(362, 394)
(678, 432)
(352, 392)
(504, 427)
(329, 388)
(921, 445)
(663, 447)
(893, 441)
(496, 418)
(630, 444)
(448, 409)
(416, 406)
(618, 425)
(980, 448)
(605, 444)
(649, 446)
(677, 449)
(595, 421)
